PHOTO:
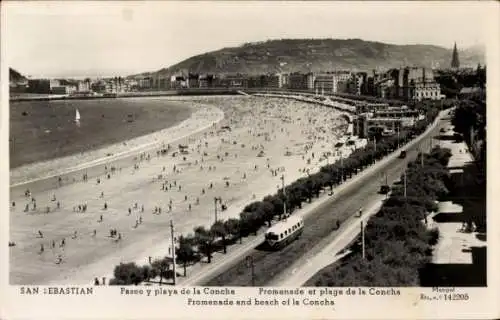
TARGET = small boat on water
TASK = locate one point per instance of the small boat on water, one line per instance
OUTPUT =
(77, 116)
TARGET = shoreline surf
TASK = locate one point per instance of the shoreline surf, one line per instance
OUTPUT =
(199, 120)
(45, 130)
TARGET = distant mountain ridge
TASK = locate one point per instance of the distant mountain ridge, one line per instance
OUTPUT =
(304, 55)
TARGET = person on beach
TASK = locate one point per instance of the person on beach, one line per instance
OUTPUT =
(74, 235)
(58, 205)
(105, 205)
(40, 233)
(101, 219)
(95, 232)
(63, 242)
(59, 259)
(129, 211)
(53, 244)
(42, 249)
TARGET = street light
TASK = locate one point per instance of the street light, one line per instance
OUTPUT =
(250, 264)
(284, 194)
(363, 238)
(173, 251)
(215, 205)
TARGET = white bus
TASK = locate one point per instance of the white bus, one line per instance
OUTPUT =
(284, 232)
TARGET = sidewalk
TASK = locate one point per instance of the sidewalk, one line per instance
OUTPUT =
(454, 244)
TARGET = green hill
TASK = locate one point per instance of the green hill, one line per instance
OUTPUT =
(15, 76)
(303, 55)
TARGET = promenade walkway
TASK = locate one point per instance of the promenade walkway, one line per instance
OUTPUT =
(460, 256)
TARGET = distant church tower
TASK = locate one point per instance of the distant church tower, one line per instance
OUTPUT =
(455, 63)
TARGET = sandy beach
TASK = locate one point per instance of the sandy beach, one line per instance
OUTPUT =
(240, 159)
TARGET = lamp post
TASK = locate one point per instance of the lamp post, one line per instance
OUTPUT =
(215, 206)
(284, 194)
(250, 264)
(397, 128)
(173, 251)
(363, 239)
(404, 178)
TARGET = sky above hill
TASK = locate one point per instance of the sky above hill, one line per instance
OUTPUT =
(56, 39)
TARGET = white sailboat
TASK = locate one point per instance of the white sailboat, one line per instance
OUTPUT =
(77, 116)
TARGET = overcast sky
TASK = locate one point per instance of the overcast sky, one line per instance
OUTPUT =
(119, 38)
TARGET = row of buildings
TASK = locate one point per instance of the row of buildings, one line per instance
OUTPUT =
(410, 83)
(86, 86)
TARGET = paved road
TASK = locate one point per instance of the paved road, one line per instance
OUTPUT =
(313, 261)
(319, 229)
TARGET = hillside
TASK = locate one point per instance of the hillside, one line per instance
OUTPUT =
(316, 55)
(15, 76)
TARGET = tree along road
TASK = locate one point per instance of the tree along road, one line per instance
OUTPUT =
(320, 225)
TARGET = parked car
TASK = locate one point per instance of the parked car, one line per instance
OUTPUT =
(384, 189)
(402, 155)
